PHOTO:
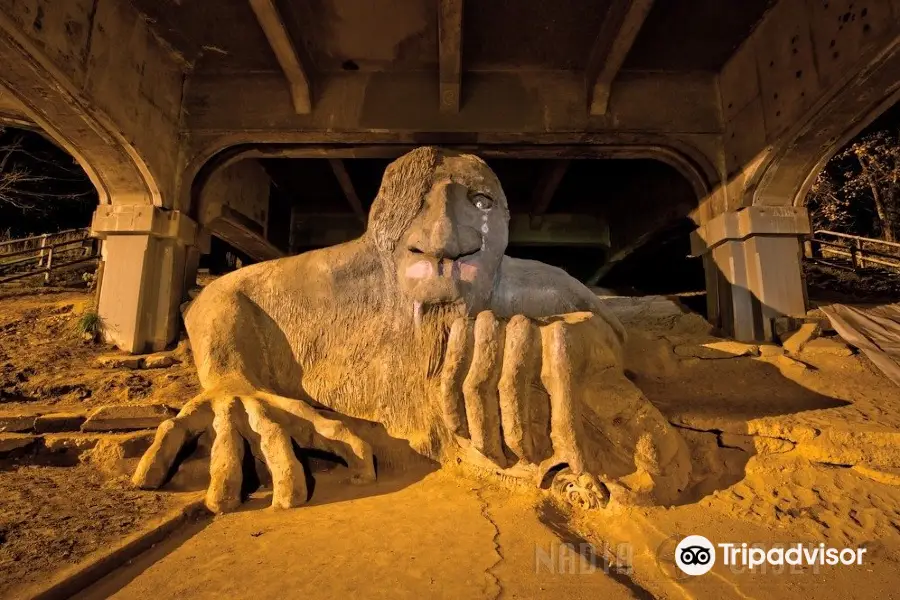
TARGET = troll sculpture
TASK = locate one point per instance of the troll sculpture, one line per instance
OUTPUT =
(423, 327)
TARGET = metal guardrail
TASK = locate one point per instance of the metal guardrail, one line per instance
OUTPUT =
(859, 250)
(49, 252)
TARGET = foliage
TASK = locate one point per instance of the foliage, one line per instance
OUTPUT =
(858, 192)
(90, 279)
(89, 323)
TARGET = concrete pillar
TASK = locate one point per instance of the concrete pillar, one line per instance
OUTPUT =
(200, 246)
(753, 272)
(146, 258)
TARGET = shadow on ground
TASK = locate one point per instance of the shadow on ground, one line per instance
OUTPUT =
(727, 408)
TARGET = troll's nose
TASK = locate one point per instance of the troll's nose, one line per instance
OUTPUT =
(439, 235)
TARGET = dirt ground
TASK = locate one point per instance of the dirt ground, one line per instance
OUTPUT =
(808, 446)
(53, 517)
(44, 360)
(866, 285)
(800, 449)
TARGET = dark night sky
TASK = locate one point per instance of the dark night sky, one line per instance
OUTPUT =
(56, 209)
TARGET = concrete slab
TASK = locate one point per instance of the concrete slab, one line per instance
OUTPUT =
(17, 423)
(437, 537)
(797, 340)
(57, 422)
(124, 417)
(716, 350)
(10, 442)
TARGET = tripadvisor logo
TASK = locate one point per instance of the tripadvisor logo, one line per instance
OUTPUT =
(696, 555)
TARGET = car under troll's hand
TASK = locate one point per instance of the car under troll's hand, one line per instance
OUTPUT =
(419, 340)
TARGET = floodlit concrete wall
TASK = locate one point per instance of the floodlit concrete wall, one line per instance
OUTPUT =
(98, 80)
(667, 114)
(810, 75)
(242, 188)
(234, 205)
(499, 102)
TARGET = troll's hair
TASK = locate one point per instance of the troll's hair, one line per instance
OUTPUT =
(400, 197)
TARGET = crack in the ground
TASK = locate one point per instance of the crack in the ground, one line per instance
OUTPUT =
(718, 433)
(697, 429)
(496, 541)
(722, 444)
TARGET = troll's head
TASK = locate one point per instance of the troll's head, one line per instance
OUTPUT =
(443, 219)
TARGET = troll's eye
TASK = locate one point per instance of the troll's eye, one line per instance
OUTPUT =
(482, 201)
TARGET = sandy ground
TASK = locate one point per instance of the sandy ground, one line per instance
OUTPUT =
(784, 451)
(449, 535)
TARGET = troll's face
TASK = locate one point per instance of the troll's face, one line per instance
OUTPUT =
(447, 250)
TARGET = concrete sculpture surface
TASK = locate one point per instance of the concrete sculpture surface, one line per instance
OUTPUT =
(419, 339)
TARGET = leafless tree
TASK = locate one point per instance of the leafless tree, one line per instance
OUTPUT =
(29, 179)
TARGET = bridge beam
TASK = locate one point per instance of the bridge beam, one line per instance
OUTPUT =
(450, 49)
(234, 206)
(620, 28)
(343, 177)
(282, 45)
(311, 230)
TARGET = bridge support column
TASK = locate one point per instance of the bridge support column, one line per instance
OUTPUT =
(753, 271)
(147, 256)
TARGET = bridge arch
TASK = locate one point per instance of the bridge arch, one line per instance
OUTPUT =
(692, 162)
(237, 165)
(788, 170)
(105, 89)
(36, 93)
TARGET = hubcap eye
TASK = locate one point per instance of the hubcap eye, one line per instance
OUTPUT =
(482, 201)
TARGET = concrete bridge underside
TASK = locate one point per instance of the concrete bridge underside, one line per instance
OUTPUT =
(181, 112)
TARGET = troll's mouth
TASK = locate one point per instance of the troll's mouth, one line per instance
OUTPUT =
(414, 250)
